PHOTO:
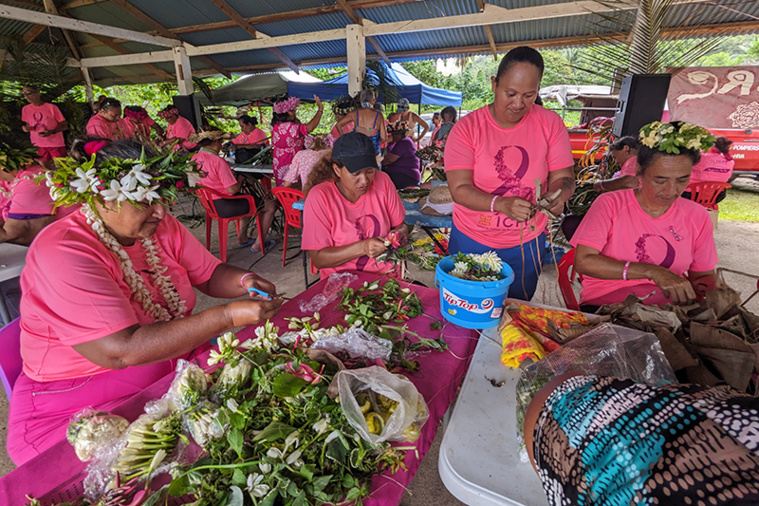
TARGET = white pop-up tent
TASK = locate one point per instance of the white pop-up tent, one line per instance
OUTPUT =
(256, 87)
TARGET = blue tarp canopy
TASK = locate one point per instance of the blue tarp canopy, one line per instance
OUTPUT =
(407, 85)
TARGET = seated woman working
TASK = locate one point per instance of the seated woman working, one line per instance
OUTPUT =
(644, 241)
(716, 165)
(600, 441)
(217, 175)
(401, 162)
(625, 154)
(347, 218)
(117, 317)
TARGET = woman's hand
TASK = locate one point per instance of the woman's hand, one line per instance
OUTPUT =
(252, 312)
(628, 182)
(373, 247)
(516, 208)
(676, 288)
(259, 283)
(318, 102)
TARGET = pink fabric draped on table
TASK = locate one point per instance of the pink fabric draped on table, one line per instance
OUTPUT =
(437, 379)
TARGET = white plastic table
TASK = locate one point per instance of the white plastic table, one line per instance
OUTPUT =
(12, 261)
(479, 456)
(254, 169)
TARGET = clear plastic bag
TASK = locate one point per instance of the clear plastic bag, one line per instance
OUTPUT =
(335, 284)
(608, 350)
(389, 396)
(357, 343)
(90, 430)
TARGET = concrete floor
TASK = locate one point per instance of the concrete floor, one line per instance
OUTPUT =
(736, 244)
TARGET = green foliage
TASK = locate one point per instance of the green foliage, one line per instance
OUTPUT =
(739, 206)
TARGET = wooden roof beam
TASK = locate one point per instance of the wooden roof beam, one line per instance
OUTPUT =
(33, 33)
(359, 21)
(235, 16)
(489, 32)
(163, 75)
(50, 8)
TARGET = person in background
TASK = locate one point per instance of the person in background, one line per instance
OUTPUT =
(599, 440)
(120, 314)
(96, 104)
(448, 117)
(648, 241)
(400, 161)
(219, 176)
(436, 123)
(368, 121)
(716, 165)
(178, 129)
(624, 151)
(45, 124)
(108, 123)
(341, 108)
(142, 123)
(493, 156)
(251, 137)
(288, 133)
(347, 219)
(304, 161)
(411, 119)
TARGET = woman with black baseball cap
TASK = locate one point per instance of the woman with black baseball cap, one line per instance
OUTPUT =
(349, 219)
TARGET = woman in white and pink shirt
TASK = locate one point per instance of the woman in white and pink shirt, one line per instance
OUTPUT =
(493, 157)
(649, 241)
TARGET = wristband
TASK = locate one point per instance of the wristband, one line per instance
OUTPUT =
(245, 276)
(601, 185)
(492, 204)
(624, 271)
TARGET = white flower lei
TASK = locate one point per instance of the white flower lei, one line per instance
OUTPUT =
(9, 192)
(139, 290)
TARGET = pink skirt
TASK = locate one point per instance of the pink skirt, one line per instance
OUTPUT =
(40, 412)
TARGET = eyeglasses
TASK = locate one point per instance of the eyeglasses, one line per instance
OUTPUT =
(29, 92)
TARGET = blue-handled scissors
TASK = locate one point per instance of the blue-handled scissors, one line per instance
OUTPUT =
(263, 294)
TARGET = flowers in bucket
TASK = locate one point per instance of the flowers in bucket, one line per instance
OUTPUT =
(473, 267)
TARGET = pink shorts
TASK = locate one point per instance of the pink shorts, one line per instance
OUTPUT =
(46, 154)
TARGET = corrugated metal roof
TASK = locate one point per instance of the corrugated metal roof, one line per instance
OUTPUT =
(399, 46)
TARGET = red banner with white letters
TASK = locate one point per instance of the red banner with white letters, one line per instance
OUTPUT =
(716, 97)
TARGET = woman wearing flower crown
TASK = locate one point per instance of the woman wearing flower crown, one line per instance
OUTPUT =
(108, 293)
(142, 123)
(287, 133)
(403, 113)
(401, 162)
(648, 241)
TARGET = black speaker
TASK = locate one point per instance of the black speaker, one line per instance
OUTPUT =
(189, 108)
(641, 101)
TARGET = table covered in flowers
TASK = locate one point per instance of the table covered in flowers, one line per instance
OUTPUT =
(57, 474)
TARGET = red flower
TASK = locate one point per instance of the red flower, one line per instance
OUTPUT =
(180, 184)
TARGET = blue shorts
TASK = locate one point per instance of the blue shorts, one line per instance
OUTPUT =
(525, 274)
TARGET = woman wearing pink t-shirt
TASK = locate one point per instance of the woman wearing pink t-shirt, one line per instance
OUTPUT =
(648, 241)
(117, 317)
(45, 124)
(108, 124)
(716, 165)
(287, 133)
(178, 129)
(142, 123)
(346, 220)
(493, 157)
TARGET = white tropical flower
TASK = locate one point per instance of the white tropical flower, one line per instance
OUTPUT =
(214, 357)
(115, 192)
(228, 341)
(292, 440)
(255, 488)
(293, 457)
(87, 180)
(322, 425)
(129, 182)
(274, 453)
(138, 173)
(143, 194)
(232, 405)
(264, 467)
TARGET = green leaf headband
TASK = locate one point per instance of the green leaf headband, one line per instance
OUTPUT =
(119, 180)
(674, 136)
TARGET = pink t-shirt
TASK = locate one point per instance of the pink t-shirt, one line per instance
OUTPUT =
(629, 168)
(142, 127)
(254, 137)
(181, 129)
(287, 139)
(120, 129)
(217, 174)
(45, 117)
(329, 219)
(680, 240)
(5, 198)
(89, 299)
(506, 161)
(302, 164)
(712, 167)
(28, 197)
(334, 134)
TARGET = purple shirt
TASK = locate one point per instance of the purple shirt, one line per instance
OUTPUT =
(405, 170)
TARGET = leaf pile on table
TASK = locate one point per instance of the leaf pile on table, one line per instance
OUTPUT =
(266, 426)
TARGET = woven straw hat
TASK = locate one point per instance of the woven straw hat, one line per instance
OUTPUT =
(213, 135)
(438, 203)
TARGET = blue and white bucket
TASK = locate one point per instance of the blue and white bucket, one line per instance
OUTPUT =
(471, 304)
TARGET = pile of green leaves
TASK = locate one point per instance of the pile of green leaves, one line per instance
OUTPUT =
(373, 305)
(16, 155)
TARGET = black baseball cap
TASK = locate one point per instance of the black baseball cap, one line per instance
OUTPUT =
(355, 151)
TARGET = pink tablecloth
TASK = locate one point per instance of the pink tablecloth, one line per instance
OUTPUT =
(57, 473)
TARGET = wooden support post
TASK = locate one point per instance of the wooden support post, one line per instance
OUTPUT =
(88, 91)
(184, 71)
(356, 53)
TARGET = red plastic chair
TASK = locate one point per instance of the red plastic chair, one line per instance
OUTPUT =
(207, 197)
(287, 197)
(566, 279)
(705, 193)
(10, 355)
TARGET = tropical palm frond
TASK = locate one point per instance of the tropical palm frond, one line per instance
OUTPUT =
(203, 86)
(385, 87)
(40, 65)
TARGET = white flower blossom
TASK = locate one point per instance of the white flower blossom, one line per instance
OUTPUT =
(255, 488)
(214, 357)
(232, 405)
(322, 425)
(86, 182)
(228, 342)
(274, 453)
(293, 457)
(264, 467)
(138, 172)
(114, 192)
(292, 440)
(144, 194)
(332, 436)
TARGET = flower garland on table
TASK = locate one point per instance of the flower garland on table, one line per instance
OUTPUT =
(177, 306)
(674, 136)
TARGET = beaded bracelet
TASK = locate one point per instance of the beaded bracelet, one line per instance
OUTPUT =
(245, 276)
(492, 204)
(624, 271)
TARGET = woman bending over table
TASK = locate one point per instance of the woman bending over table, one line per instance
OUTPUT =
(346, 219)
(599, 441)
(107, 123)
(108, 293)
(644, 241)
(493, 157)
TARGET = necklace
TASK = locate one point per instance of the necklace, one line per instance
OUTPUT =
(140, 292)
